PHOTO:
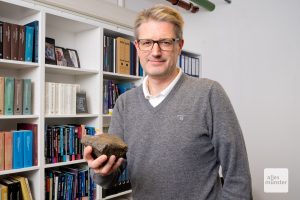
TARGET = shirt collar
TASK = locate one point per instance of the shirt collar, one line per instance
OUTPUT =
(165, 92)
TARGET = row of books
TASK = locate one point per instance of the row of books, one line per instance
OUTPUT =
(119, 56)
(18, 148)
(15, 96)
(111, 91)
(60, 98)
(123, 184)
(189, 65)
(15, 187)
(19, 42)
(20, 154)
(70, 183)
(63, 142)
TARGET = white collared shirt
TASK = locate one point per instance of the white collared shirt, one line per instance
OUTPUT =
(156, 100)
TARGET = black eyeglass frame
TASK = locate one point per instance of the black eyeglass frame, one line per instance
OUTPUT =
(158, 43)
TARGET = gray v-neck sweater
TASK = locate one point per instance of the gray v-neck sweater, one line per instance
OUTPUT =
(175, 149)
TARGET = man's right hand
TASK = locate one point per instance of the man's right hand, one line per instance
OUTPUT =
(101, 165)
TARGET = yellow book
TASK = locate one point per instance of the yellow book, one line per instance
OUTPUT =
(3, 192)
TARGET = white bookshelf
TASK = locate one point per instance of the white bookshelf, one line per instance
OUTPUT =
(70, 30)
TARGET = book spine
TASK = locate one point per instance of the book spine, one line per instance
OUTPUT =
(35, 26)
(27, 96)
(21, 50)
(1, 151)
(28, 141)
(9, 96)
(6, 40)
(28, 43)
(18, 97)
(2, 83)
(1, 40)
(18, 141)
(14, 43)
(8, 150)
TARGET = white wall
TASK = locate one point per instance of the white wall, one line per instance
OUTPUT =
(253, 49)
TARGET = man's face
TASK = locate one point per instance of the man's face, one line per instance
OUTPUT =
(158, 62)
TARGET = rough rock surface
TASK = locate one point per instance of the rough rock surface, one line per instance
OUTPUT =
(105, 144)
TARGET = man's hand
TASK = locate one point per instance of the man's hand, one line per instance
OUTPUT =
(101, 165)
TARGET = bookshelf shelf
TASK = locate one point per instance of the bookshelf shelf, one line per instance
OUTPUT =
(115, 76)
(13, 171)
(64, 163)
(117, 195)
(19, 116)
(73, 116)
(69, 70)
(12, 64)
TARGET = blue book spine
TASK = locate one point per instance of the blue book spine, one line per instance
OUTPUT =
(29, 43)
(35, 26)
(18, 143)
(28, 140)
(27, 96)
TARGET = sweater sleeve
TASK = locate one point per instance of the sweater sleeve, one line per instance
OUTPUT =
(115, 128)
(110, 180)
(229, 145)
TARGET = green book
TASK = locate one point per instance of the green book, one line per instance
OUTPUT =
(9, 96)
(27, 97)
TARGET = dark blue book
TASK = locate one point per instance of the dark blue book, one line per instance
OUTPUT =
(123, 87)
(28, 141)
(141, 71)
(35, 25)
(18, 147)
(29, 31)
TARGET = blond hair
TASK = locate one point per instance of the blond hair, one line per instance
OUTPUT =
(160, 13)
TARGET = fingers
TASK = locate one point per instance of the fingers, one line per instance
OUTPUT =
(107, 168)
(87, 153)
(111, 163)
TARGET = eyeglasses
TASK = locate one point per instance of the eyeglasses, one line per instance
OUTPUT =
(164, 44)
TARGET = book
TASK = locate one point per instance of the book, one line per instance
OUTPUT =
(35, 26)
(10, 188)
(2, 150)
(34, 129)
(9, 96)
(18, 148)
(6, 40)
(2, 83)
(28, 188)
(29, 31)
(1, 40)
(27, 148)
(18, 98)
(14, 43)
(17, 194)
(8, 150)
(50, 57)
(3, 192)
(123, 56)
(27, 97)
(21, 49)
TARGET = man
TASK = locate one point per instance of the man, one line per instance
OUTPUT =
(179, 129)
